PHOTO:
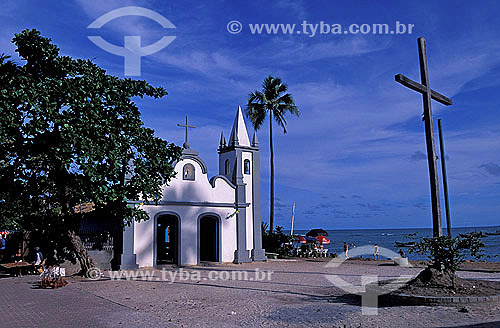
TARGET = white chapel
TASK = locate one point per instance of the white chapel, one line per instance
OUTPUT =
(200, 219)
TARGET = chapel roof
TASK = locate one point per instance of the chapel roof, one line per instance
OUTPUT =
(239, 134)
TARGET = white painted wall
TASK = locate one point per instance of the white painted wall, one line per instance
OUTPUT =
(199, 190)
(247, 179)
(222, 160)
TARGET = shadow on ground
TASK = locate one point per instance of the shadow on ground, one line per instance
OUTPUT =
(494, 324)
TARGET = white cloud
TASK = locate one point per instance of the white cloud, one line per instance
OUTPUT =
(292, 50)
(130, 25)
(462, 63)
(295, 8)
(212, 64)
(345, 141)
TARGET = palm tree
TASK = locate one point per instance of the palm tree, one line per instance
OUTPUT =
(274, 100)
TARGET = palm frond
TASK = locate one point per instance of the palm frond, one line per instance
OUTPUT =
(272, 98)
(282, 88)
(280, 119)
(256, 97)
(267, 83)
(292, 109)
(286, 99)
(256, 108)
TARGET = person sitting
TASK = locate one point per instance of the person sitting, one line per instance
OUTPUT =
(315, 250)
(401, 252)
(18, 257)
(322, 250)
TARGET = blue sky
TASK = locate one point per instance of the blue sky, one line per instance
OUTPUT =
(356, 156)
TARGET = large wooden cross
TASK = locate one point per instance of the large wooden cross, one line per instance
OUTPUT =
(428, 94)
(187, 126)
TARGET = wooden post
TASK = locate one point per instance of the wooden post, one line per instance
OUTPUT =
(429, 137)
(445, 178)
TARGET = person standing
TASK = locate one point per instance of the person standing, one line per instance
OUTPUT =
(2, 247)
(375, 252)
(38, 257)
(346, 250)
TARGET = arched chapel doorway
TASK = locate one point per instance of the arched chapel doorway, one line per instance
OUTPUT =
(209, 240)
(167, 239)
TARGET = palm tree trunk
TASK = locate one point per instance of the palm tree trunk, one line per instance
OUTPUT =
(271, 201)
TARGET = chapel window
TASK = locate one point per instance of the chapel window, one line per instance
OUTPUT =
(246, 166)
(226, 167)
(188, 172)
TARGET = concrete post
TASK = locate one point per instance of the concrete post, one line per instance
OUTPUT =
(128, 258)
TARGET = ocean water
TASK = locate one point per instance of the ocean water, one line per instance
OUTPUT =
(387, 237)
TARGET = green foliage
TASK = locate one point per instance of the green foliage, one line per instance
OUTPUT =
(276, 241)
(70, 134)
(447, 253)
(273, 101)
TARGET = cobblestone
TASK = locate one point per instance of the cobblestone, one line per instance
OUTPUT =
(26, 306)
(298, 295)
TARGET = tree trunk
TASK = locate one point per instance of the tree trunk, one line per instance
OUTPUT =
(271, 201)
(86, 262)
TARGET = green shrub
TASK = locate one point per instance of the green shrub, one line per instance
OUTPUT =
(447, 253)
(276, 241)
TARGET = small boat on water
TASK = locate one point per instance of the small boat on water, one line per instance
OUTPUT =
(405, 244)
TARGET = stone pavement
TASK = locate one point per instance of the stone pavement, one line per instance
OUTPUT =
(298, 295)
(25, 306)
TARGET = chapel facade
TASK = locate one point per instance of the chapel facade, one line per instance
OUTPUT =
(200, 219)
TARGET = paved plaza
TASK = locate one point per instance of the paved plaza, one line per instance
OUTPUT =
(296, 295)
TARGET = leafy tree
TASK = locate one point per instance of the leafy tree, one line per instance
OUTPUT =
(71, 134)
(275, 102)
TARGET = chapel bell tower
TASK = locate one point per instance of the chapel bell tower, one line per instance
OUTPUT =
(239, 161)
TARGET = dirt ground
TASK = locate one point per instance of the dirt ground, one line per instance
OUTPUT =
(298, 293)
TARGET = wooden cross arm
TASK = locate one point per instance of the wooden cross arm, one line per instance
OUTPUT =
(420, 88)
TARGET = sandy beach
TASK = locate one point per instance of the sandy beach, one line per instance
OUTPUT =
(297, 294)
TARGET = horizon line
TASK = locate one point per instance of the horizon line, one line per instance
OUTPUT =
(444, 228)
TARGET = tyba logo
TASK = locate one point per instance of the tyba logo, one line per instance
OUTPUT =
(132, 50)
(369, 288)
